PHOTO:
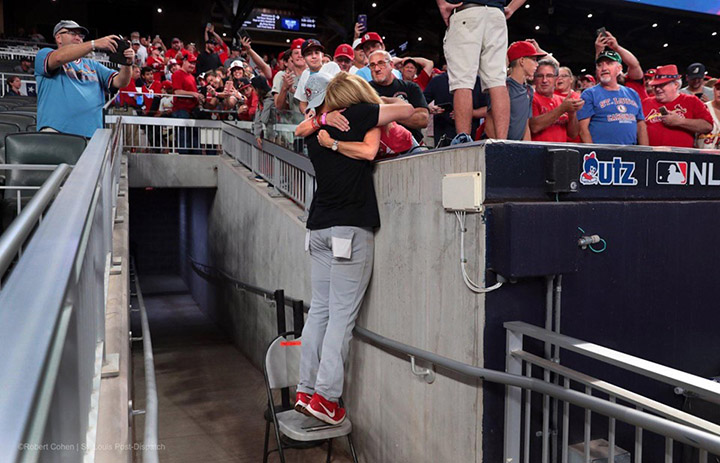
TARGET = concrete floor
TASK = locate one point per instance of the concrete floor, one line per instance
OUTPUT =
(211, 399)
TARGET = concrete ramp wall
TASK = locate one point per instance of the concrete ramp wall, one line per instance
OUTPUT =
(416, 296)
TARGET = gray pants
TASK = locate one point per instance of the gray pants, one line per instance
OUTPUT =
(342, 262)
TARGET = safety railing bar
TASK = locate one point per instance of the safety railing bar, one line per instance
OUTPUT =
(624, 394)
(704, 388)
(38, 312)
(28, 166)
(15, 235)
(166, 121)
(150, 447)
(685, 434)
(676, 431)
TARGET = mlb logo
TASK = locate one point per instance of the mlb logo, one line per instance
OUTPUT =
(672, 172)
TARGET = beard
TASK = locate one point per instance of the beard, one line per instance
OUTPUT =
(606, 79)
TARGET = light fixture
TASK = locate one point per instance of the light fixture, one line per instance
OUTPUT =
(654, 25)
(287, 40)
(159, 9)
(224, 34)
(374, 5)
(537, 28)
(714, 34)
(419, 39)
(665, 45)
(590, 15)
(527, 6)
(583, 70)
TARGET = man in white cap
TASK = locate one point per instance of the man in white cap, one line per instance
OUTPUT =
(360, 60)
(71, 89)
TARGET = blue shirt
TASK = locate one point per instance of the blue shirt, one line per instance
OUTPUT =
(70, 98)
(367, 75)
(614, 114)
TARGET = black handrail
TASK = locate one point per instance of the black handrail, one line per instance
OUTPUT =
(679, 432)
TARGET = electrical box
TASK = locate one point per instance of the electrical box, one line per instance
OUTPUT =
(463, 192)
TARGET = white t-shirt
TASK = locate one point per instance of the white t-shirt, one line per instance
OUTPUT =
(166, 104)
(709, 141)
(331, 68)
(353, 69)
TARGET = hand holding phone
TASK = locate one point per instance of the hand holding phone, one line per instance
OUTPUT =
(663, 110)
(362, 21)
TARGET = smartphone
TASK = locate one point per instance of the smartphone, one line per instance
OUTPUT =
(208, 26)
(446, 106)
(602, 31)
(663, 110)
(117, 57)
(362, 20)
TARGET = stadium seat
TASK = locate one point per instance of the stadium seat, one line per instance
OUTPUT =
(35, 148)
(26, 121)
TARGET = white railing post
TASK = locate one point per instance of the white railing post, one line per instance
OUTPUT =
(513, 400)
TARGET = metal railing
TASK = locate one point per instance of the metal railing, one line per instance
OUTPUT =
(13, 238)
(150, 444)
(517, 410)
(643, 413)
(168, 135)
(52, 317)
(292, 174)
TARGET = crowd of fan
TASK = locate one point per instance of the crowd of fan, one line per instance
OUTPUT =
(547, 102)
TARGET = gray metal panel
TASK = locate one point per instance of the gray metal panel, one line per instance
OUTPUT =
(30, 311)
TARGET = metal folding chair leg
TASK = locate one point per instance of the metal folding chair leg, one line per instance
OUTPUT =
(329, 454)
(267, 438)
(352, 449)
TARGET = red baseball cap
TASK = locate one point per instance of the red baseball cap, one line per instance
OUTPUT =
(588, 77)
(344, 50)
(166, 84)
(522, 49)
(191, 58)
(371, 37)
(297, 44)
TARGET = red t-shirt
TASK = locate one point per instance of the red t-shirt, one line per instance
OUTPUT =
(222, 51)
(170, 53)
(252, 108)
(158, 66)
(128, 95)
(638, 86)
(557, 132)
(688, 106)
(155, 88)
(572, 95)
(422, 79)
(181, 80)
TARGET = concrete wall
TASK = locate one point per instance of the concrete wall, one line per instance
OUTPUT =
(416, 296)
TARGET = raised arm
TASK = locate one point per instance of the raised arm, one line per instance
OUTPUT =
(69, 53)
(634, 70)
(259, 62)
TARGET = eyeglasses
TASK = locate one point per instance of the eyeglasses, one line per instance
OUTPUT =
(74, 34)
(564, 76)
(379, 64)
(547, 76)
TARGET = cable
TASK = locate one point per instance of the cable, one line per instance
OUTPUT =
(474, 287)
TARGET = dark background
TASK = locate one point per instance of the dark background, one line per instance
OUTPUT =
(565, 28)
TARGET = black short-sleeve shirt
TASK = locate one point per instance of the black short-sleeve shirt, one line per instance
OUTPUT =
(345, 195)
(405, 90)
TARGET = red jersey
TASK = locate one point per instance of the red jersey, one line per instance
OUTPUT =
(638, 86)
(687, 106)
(572, 95)
(222, 51)
(170, 53)
(181, 80)
(422, 79)
(158, 66)
(128, 95)
(252, 108)
(155, 88)
(557, 132)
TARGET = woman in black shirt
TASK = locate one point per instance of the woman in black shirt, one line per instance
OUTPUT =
(341, 223)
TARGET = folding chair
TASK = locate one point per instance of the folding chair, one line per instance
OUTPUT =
(282, 369)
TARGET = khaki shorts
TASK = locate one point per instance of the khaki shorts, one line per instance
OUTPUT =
(475, 44)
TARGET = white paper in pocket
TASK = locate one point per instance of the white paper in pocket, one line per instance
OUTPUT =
(307, 240)
(342, 247)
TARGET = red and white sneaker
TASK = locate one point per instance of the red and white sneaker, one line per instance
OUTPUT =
(325, 411)
(302, 400)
